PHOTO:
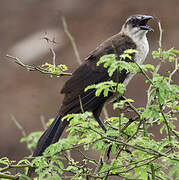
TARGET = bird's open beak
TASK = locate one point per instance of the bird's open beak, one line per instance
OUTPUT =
(143, 23)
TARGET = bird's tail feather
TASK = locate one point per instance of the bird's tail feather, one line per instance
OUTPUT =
(50, 136)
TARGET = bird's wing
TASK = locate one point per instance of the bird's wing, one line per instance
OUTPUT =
(73, 89)
(88, 73)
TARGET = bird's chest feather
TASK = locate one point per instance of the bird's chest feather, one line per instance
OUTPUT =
(142, 50)
(140, 56)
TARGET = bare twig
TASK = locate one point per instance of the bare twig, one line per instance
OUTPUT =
(143, 72)
(81, 105)
(160, 46)
(20, 128)
(7, 176)
(99, 166)
(72, 40)
(132, 107)
(14, 167)
(86, 157)
(174, 71)
(52, 45)
(36, 68)
(42, 119)
(161, 33)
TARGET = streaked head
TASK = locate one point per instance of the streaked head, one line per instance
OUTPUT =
(136, 25)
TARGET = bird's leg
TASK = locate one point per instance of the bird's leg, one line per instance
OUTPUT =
(96, 114)
(100, 122)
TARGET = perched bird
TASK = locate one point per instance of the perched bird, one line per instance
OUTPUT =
(131, 36)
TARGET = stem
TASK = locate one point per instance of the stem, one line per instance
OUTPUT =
(36, 68)
(152, 171)
(21, 129)
(174, 71)
(6, 176)
(14, 167)
(166, 122)
(143, 72)
(72, 40)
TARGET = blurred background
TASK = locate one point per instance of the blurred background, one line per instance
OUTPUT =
(24, 23)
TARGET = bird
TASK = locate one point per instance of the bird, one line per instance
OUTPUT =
(132, 36)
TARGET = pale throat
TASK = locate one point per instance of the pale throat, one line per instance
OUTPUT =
(142, 47)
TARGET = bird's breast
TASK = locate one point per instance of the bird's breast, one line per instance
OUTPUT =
(142, 50)
(140, 56)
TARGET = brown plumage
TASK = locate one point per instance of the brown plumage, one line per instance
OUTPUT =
(88, 73)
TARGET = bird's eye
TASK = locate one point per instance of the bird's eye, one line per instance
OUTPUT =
(134, 21)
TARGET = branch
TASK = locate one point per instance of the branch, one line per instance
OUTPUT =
(161, 33)
(20, 128)
(138, 147)
(174, 71)
(99, 165)
(72, 40)
(142, 164)
(14, 167)
(36, 68)
(52, 44)
(86, 157)
(6, 176)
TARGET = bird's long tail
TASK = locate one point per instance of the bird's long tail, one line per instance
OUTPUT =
(50, 136)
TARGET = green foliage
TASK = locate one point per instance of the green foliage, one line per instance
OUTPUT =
(31, 140)
(54, 70)
(136, 153)
(113, 64)
(106, 87)
(163, 55)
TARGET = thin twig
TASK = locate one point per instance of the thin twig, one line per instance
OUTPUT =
(81, 105)
(143, 72)
(161, 33)
(131, 137)
(72, 40)
(174, 71)
(136, 166)
(166, 122)
(42, 119)
(7, 176)
(14, 167)
(151, 85)
(99, 166)
(132, 107)
(130, 164)
(20, 128)
(86, 157)
(52, 45)
(36, 68)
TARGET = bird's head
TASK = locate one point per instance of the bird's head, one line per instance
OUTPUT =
(136, 26)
